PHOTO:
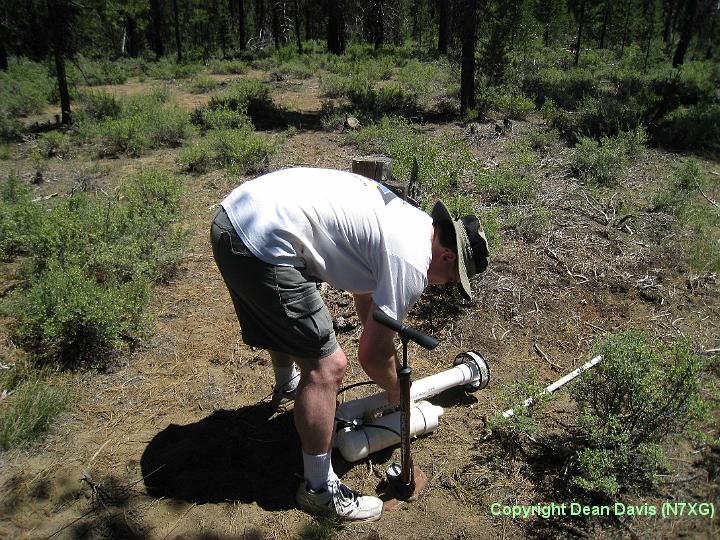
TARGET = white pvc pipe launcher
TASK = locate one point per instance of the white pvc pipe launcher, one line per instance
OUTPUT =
(355, 444)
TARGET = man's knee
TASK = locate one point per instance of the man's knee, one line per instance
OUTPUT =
(327, 370)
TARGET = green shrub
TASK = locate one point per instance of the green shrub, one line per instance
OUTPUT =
(603, 162)
(97, 106)
(19, 217)
(166, 68)
(31, 410)
(219, 118)
(203, 85)
(541, 139)
(695, 126)
(688, 177)
(512, 431)
(514, 106)
(565, 87)
(145, 122)
(227, 67)
(604, 115)
(296, 68)
(640, 395)
(5, 151)
(387, 99)
(26, 88)
(10, 127)
(334, 86)
(249, 97)
(242, 151)
(505, 185)
(93, 261)
(53, 144)
(99, 72)
(68, 318)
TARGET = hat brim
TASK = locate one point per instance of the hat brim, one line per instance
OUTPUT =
(462, 245)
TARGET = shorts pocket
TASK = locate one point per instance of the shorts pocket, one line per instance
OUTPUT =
(298, 297)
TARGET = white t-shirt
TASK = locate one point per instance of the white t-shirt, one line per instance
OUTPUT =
(339, 227)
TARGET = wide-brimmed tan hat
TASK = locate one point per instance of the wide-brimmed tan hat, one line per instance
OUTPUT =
(471, 245)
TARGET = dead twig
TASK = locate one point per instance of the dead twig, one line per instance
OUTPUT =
(545, 357)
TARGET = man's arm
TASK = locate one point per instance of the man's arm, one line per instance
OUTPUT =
(376, 353)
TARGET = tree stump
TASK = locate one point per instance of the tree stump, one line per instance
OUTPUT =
(379, 168)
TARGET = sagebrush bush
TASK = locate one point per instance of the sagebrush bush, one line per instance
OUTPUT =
(249, 97)
(541, 139)
(603, 162)
(695, 126)
(241, 150)
(53, 144)
(145, 122)
(203, 85)
(227, 67)
(514, 106)
(167, 68)
(32, 408)
(26, 88)
(99, 72)
(19, 217)
(66, 317)
(505, 184)
(640, 395)
(97, 106)
(92, 263)
(512, 431)
(374, 100)
(219, 118)
(565, 87)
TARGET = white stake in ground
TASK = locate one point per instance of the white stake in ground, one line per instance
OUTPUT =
(558, 384)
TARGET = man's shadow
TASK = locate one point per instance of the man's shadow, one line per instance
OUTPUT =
(244, 455)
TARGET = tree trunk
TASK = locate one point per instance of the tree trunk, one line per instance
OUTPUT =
(178, 41)
(157, 28)
(3, 49)
(276, 24)
(242, 37)
(259, 16)
(443, 25)
(335, 39)
(605, 23)
(626, 24)
(667, 27)
(578, 42)
(309, 33)
(298, 39)
(686, 33)
(57, 25)
(467, 72)
(378, 24)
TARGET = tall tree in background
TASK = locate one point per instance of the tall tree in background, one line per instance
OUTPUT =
(581, 23)
(607, 14)
(298, 39)
(178, 41)
(378, 23)
(259, 17)
(467, 70)
(686, 33)
(276, 23)
(443, 25)
(60, 14)
(241, 22)
(4, 19)
(335, 30)
(156, 15)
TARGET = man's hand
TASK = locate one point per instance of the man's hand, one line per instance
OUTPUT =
(376, 353)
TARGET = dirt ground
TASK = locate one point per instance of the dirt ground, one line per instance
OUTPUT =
(178, 441)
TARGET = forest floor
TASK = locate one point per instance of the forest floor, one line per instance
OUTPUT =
(189, 411)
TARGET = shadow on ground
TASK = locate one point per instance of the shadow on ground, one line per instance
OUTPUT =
(244, 455)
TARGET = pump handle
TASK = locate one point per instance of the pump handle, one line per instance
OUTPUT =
(405, 332)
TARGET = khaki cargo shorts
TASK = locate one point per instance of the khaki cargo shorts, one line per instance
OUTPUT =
(278, 308)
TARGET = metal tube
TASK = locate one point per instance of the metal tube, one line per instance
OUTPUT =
(559, 383)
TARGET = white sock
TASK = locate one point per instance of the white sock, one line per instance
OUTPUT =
(318, 470)
(286, 378)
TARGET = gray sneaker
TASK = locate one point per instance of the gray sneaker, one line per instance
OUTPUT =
(282, 399)
(339, 501)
